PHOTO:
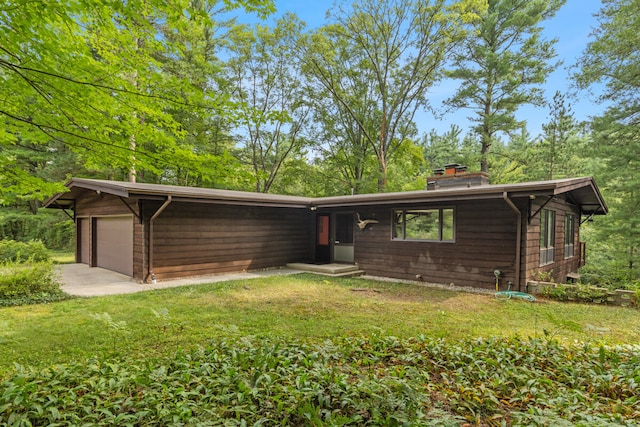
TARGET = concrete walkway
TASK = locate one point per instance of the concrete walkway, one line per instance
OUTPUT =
(82, 280)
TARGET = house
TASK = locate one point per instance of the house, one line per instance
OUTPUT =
(459, 230)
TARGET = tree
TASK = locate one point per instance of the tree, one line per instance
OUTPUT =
(502, 65)
(272, 111)
(83, 74)
(613, 59)
(200, 42)
(512, 160)
(377, 61)
(348, 156)
(52, 164)
(450, 147)
(559, 140)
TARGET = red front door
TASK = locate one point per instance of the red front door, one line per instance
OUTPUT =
(323, 242)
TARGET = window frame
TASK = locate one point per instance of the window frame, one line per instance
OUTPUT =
(569, 235)
(547, 236)
(441, 215)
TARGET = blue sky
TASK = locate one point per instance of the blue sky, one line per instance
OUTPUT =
(572, 26)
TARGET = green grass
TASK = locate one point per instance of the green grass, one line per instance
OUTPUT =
(62, 257)
(310, 350)
(302, 307)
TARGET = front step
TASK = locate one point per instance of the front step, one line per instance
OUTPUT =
(354, 273)
(334, 270)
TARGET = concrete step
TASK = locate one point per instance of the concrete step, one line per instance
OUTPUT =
(333, 269)
(354, 273)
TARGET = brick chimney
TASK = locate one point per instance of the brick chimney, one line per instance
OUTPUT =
(455, 175)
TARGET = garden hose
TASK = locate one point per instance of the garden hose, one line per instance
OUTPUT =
(508, 294)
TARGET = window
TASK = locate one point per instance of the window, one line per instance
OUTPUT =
(424, 224)
(547, 236)
(344, 228)
(569, 235)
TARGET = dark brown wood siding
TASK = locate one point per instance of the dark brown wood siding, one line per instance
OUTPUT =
(485, 239)
(561, 266)
(195, 239)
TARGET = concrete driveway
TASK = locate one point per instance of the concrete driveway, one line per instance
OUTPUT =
(82, 280)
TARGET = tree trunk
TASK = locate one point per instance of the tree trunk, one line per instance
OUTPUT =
(486, 139)
(382, 156)
(132, 169)
(484, 153)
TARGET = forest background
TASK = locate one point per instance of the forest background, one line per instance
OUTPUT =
(180, 92)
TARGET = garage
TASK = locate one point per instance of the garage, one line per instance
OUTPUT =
(114, 243)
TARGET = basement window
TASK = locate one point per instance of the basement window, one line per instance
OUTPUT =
(433, 225)
(547, 236)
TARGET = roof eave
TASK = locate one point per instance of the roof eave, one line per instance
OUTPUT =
(577, 186)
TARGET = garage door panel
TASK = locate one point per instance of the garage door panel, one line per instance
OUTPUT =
(83, 240)
(114, 244)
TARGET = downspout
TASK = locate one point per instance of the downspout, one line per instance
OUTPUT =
(515, 209)
(151, 221)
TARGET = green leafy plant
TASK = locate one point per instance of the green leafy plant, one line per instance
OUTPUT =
(557, 292)
(381, 380)
(586, 293)
(54, 229)
(635, 298)
(29, 283)
(577, 293)
(33, 251)
(164, 324)
(543, 276)
(117, 329)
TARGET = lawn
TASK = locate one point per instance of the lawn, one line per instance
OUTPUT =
(307, 307)
(62, 257)
(335, 319)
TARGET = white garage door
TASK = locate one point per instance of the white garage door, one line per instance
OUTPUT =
(114, 244)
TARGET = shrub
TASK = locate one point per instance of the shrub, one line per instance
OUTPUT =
(635, 299)
(29, 283)
(543, 276)
(558, 292)
(54, 229)
(587, 293)
(12, 251)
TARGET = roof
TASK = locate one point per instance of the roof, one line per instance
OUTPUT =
(580, 191)
(77, 186)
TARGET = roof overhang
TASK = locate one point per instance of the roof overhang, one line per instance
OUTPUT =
(79, 186)
(582, 192)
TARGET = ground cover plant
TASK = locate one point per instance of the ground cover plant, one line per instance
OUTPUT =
(348, 381)
(309, 350)
(27, 275)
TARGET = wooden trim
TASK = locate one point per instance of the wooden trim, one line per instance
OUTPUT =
(540, 209)
(583, 254)
(130, 208)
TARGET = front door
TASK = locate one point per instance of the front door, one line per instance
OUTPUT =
(323, 243)
(343, 241)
